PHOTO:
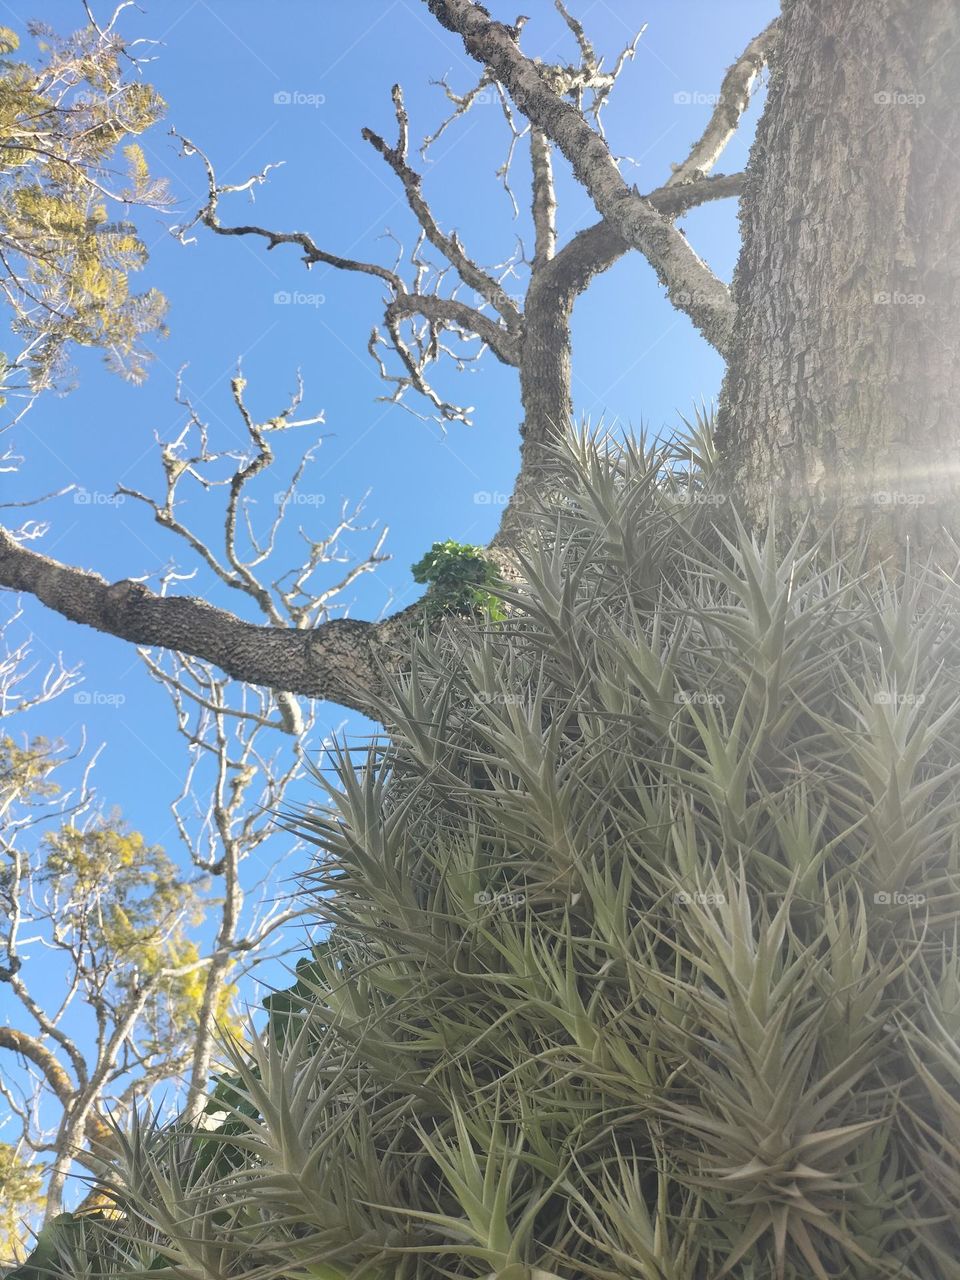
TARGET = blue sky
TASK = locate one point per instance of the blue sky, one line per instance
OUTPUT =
(220, 64)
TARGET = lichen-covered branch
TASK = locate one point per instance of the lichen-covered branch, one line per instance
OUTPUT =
(691, 285)
(420, 300)
(732, 102)
(338, 660)
(544, 203)
(593, 250)
(451, 313)
(449, 245)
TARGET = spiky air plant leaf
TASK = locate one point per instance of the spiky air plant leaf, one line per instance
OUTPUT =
(643, 958)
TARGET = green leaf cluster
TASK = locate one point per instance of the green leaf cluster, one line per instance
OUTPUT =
(462, 580)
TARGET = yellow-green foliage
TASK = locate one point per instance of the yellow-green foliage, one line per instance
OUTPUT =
(135, 912)
(21, 1195)
(104, 914)
(65, 159)
(25, 772)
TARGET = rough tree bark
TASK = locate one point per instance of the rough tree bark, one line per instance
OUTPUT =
(842, 391)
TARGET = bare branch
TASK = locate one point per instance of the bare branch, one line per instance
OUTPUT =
(448, 311)
(449, 246)
(34, 502)
(414, 363)
(732, 102)
(690, 284)
(338, 660)
(589, 76)
(95, 1128)
(544, 199)
(462, 104)
(14, 671)
(587, 52)
(29, 1047)
(312, 253)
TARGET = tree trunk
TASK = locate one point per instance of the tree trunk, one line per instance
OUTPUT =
(545, 390)
(842, 396)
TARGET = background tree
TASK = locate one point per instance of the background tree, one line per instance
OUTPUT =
(146, 947)
(68, 167)
(21, 1197)
(97, 916)
(239, 769)
(132, 926)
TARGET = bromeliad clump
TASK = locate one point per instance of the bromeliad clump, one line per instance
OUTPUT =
(645, 954)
